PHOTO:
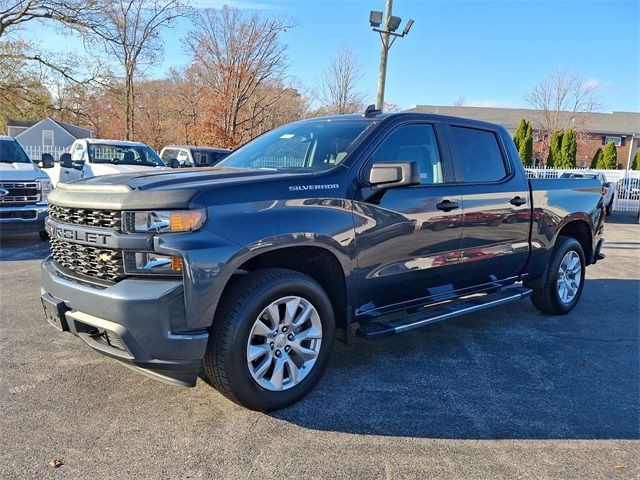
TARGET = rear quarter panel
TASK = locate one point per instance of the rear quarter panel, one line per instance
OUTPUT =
(556, 203)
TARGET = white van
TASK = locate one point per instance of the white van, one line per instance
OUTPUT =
(90, 157)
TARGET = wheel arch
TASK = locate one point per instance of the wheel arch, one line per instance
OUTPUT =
(580, 230)
(316, 261)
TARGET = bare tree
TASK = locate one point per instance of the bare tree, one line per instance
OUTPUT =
(340, 79)
(562, 100)
(238, 55)
(187, 102)
(460, 101)
(129, 31)
(16, 13)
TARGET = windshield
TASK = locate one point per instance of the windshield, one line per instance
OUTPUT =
(207, 158)
(311, 146)
(11, 152)
(140, 155)
(579, 175)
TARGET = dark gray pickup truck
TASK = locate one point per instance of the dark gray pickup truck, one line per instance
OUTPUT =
(369, 225)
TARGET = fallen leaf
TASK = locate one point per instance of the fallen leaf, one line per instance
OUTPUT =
(621, 466)
(55, 463)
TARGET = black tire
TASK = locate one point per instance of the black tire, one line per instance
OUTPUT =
(547, 299)
(44, 236)
(225, 361)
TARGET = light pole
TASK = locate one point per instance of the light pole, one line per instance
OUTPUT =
(391, 24)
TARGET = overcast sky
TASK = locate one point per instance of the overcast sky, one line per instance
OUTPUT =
(489, 52)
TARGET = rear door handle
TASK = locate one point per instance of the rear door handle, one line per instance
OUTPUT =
(447, 205)
(518, 201)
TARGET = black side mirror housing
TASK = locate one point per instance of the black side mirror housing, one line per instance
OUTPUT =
(65, 160)
(47, 161)
(175, 163)
(385, 175)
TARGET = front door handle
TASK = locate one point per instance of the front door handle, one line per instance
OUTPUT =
(447, 205)
(518, 201)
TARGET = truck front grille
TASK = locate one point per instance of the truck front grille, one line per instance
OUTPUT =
(19, 193)
(111, 219)
(102, 263)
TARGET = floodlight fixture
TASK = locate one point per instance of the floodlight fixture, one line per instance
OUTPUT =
(407, 27)
(375, 18)
(394, 23)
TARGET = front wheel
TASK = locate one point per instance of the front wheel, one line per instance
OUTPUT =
(270, 340)
(565, 279)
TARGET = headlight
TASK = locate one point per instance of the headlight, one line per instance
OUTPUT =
(164, 221)
(151, 263)
(45, 187)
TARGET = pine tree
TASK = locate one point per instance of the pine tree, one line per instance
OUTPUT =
(609, 157)
(568, 150)
(524, 142)
(597, 159)
(554, 149)
(635, 165)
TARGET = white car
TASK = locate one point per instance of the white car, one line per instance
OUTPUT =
(92, 157)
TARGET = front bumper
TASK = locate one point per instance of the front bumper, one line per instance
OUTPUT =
(22, 219)
(130, 321)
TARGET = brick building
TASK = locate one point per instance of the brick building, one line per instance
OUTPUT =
(594, 130)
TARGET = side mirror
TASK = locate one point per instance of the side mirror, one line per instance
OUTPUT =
(175, 163)
(65, 160)
(385, 175)
(47, 161)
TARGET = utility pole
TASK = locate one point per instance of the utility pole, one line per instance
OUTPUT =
(384, 53)
(388, 35)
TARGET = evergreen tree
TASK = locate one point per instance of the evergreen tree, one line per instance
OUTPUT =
(554, 149)
(609, 157)
(635, 165)
(524, 142)
(568, 150)
(597, 159)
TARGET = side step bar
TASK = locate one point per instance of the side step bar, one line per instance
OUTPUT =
(398, 324)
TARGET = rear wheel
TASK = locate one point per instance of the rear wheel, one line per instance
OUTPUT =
(565, 279)
(270, 340)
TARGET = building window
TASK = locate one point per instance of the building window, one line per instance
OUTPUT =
(47, 138)
(536, 137)
(617, 141)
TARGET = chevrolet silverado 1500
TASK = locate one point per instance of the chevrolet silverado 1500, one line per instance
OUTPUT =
(370, 225)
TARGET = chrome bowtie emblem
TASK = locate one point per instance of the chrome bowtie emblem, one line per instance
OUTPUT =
(3, 192)
(104, 257)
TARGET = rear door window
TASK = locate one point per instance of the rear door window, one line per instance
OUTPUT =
(478, 155)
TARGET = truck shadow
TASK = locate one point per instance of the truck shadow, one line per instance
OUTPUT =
(628, 218)
(23, 247)
(510, 373)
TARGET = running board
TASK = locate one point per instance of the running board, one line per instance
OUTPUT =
(398, 324)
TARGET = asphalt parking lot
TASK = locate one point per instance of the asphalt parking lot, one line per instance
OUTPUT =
(505, 393)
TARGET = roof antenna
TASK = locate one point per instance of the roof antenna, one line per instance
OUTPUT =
(371, 111)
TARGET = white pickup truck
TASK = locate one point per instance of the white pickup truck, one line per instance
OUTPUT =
(92, 157)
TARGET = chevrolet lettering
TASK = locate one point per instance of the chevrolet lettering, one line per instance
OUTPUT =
(81, 236)
(368, 225)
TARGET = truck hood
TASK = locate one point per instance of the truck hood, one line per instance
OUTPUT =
(184, 178)
(158, 188)
(111, 169)
(20, 171)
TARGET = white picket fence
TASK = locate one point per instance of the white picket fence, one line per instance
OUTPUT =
(625, 182)
(35, 152)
